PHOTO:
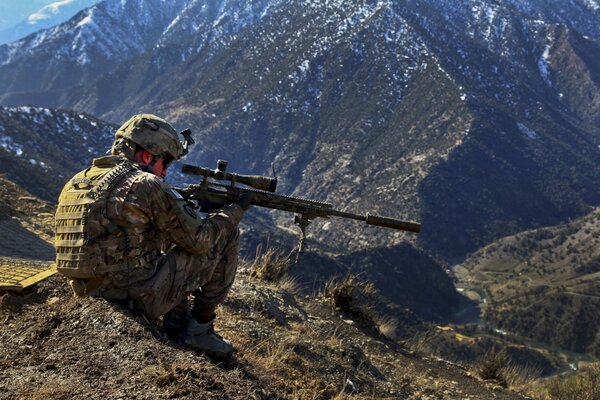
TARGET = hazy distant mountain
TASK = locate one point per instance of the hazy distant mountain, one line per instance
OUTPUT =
(544, 280)
(480, 118)
(49, 15)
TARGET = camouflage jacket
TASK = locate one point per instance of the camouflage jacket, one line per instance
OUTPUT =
(122, 227)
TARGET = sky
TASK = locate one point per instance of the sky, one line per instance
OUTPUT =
(39, 14)
(14, 11)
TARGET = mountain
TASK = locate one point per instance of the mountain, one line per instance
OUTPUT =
(41, 148)
(93, 48)
(543, 280)
(47, 16)
(469, 116)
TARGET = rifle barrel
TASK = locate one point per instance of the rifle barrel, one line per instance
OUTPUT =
(372, 219)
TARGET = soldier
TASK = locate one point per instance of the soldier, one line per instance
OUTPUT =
(124, 234)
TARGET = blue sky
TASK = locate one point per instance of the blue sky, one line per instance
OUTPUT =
(43, 13)
(14, 11)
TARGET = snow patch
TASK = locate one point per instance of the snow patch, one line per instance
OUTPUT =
(219, 19)
(86, 21)
(530, 133)
(7, 143)
(544, 63)
(304, 66)
(592, 4)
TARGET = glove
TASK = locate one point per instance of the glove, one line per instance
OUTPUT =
(245, 200)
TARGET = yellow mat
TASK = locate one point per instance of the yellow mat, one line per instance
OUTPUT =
(17, 273)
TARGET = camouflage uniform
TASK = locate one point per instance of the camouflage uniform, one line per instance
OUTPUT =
(122, 233)
(155, 249)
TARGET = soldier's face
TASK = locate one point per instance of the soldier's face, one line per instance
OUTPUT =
(159, 168)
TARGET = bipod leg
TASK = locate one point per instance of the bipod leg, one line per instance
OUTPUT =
(303, 223)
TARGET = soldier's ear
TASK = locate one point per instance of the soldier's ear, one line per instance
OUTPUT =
(143, 156)
(147, 157)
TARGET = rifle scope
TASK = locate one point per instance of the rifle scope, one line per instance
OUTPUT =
(256, 181)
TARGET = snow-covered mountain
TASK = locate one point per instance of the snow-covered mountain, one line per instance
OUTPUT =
(41, 148)
(478, 117)
(45, 17)
(88, 45)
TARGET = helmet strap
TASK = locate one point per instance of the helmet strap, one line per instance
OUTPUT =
(153, 161)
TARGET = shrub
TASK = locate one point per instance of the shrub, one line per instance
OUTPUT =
(270, 265)
(582, 386)
(355, 298)
(492, 365)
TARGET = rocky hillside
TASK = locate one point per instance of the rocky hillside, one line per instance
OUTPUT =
(543, 280)
(288, 347)
(26, 225)
(41, 148)
(473, 116)
(338, 342)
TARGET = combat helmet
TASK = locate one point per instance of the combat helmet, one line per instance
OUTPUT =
(150, 132)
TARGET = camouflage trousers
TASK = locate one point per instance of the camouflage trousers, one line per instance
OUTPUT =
(178, 273)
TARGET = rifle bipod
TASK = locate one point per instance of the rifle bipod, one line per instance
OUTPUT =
(302, 222)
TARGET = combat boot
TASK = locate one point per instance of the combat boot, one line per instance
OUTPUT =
(202, 337)
(182, 327)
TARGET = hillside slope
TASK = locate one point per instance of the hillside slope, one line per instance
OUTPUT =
(41, 148)
(25, 224)
(543, 280)
(288, 347)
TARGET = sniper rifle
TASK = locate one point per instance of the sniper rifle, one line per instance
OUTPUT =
(212, 193)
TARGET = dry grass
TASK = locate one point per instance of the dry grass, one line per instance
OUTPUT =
(495, 365)
(419, 343)
(280, 363)
(165, 373)
(520, 378)
(355, 298)
(583, 385)
(289, 284)
(388, 327)
(492, 365)
(270, 265)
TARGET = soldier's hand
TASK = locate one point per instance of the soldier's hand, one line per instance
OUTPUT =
(245, 200)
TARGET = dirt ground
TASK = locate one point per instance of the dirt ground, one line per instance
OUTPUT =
(289, 346)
